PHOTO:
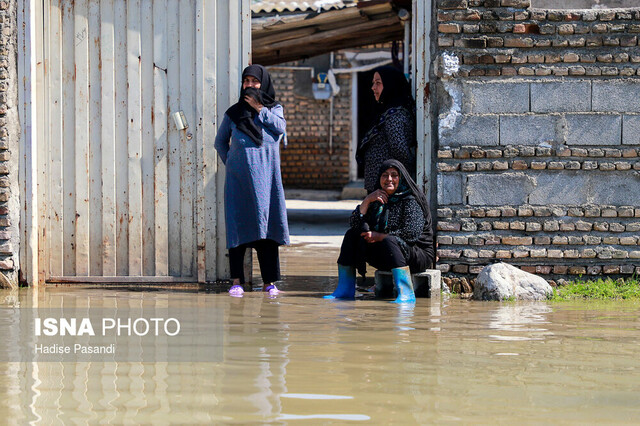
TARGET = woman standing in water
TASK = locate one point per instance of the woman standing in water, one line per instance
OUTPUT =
(392, 134)
(248, 144)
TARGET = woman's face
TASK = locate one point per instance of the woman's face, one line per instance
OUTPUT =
(389, 180)
(377, 86)
(250, 81)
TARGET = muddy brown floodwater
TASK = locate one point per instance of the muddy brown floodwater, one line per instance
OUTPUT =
(297, 357)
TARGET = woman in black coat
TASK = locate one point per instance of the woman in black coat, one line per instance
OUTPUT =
(392, 133)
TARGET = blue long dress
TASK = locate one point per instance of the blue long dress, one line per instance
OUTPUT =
(253, 194)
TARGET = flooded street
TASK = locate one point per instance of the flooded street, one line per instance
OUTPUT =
(298, 357)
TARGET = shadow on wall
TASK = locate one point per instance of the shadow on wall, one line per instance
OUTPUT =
(583, 4)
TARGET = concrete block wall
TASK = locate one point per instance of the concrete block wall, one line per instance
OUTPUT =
(538, 160)
(308, 162)
(9, 140)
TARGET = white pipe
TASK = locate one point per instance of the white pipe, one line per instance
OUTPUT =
(405, 54)
(367, 56)
(404, 16)
(353, 167)
(331, 112)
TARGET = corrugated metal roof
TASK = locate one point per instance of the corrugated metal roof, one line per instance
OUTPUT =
(271, 6)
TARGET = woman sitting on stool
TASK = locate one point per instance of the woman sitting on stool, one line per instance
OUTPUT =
(390, 230)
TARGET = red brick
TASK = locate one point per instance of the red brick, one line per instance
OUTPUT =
(468, 15)
(449, 28)
(462, 153)
(611, 269)
(449, 254)
(543, 270)
(560, 269)
(448, 226)
(452, 4)
(461, 269)
(518, 42)
(517, 241)
(526, 29)
(516, 3)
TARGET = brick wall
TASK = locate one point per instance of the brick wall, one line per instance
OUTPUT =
(538, 154)
(9, 137)
(307, 161)
(583, 4)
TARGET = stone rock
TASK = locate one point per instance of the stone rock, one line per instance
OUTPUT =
(464, 286)
(502, 281)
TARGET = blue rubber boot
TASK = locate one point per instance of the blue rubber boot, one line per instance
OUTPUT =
(346, 284)
(404, 285)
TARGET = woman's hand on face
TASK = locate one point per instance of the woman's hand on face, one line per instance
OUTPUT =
(373, 236)
(253, 103)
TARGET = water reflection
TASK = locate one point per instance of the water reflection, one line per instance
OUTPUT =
(313, 396)
(298, 357)
(344, 417)
(519, 321)
(256, 354)
(405, 316)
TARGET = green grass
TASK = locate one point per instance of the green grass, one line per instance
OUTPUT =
(601, 289)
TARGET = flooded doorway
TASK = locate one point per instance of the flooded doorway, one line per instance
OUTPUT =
(309, 162)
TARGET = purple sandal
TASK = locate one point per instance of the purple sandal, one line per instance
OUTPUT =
(236, 290)
(271, 289)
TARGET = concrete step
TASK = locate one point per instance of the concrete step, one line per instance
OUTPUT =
(353, 191)
(321, 212)
(425, 284)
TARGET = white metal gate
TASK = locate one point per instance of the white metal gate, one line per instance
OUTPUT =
(122, 192)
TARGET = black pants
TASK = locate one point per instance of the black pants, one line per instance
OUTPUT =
(268, 258)
(384, 255)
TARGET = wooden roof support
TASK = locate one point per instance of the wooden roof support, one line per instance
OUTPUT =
(270, 56)
(327, 36)
(288, 40)
(282, 36)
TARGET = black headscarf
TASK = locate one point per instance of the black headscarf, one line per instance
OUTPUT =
(407, 188)
(396, 90)
(241, 112)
